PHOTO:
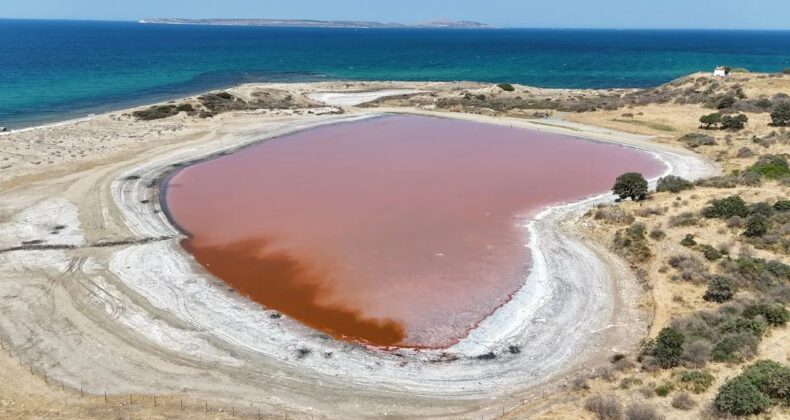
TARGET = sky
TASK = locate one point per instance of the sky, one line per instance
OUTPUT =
(620, 14)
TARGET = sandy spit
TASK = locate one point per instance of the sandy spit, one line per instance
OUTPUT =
(145, 318)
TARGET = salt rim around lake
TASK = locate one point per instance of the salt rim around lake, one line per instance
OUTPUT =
(396, 231)
(575, 303)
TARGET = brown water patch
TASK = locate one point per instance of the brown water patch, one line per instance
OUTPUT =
(401, 230)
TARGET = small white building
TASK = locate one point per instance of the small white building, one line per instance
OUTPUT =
(721, 71)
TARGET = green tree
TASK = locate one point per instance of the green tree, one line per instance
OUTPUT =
(507, 87)
(711, 120)
(736, 122)
(780, 116)
(630, 185)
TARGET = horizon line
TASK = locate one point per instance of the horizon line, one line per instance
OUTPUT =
(492, 26)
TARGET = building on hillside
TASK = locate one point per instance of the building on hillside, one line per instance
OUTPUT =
(721, 71)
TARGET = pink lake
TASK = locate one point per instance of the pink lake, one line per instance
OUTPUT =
(393, 231)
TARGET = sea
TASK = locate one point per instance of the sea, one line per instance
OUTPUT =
(55, 70)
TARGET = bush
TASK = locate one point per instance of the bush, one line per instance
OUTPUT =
(757, 272)
(696, 381)
(786, 70)
(756, 226)
(744, 152)
(737, 325)
(674, 184)
(735, 347)
(683, 401)
(507, 87)
(630, 185)
(780, 116)
(688, 240)
(771, 378)
(710, 253)
(604, 407)
(771, 166)
(697, 353)
(774, 314)
(723, 102)
(640, 411)
(711, 120)
(694, 140)
(726, 207)
(782, 205)
(668, 347)
(764, 209)
(741, 397)
(657, 234)
(720, 289)
(683, 219)
(736, 122)
(664, 389)
(631, 243)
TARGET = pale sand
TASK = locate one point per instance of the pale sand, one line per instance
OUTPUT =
(146, 319)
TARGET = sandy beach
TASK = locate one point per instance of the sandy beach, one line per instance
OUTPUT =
(99, 294)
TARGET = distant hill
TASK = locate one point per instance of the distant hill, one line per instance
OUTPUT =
(305, 23)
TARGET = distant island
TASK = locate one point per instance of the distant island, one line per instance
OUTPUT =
(306, 23)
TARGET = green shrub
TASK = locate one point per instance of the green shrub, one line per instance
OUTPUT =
(726, 207)
(771, 166)
(741, 397)
(735, 347)
(737, 325)
(668, 347)
(507, 87)
(782, 205)
(720, 289)
(734, 122)
(757, 272)
(756, 226)
(786, 70)
(771, 378)
(674, 184)
(764, 209)
(774, 314)
(724, 101)
(780, 116)
(630, 185)
(696, 381)
(688, 240)
(664, 389)
(631, 243)
(710, 253)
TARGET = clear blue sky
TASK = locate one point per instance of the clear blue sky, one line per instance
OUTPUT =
(721, 14)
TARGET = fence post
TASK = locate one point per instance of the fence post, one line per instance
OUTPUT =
(105, 396)
(182, 405)
(206, 406)
(81, 392)
(154, 400)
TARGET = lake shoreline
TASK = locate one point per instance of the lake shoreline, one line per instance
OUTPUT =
(126, 188)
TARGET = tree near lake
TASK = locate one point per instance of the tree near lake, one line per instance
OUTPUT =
(710, 121)
(630, 185)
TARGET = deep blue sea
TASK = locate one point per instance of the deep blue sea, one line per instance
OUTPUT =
(54, 70)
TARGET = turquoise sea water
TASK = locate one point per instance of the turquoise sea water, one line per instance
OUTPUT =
(53, 70)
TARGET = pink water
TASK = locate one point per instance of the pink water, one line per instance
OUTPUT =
(395, 231)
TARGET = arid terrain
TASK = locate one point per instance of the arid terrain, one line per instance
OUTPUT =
(98, 296)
